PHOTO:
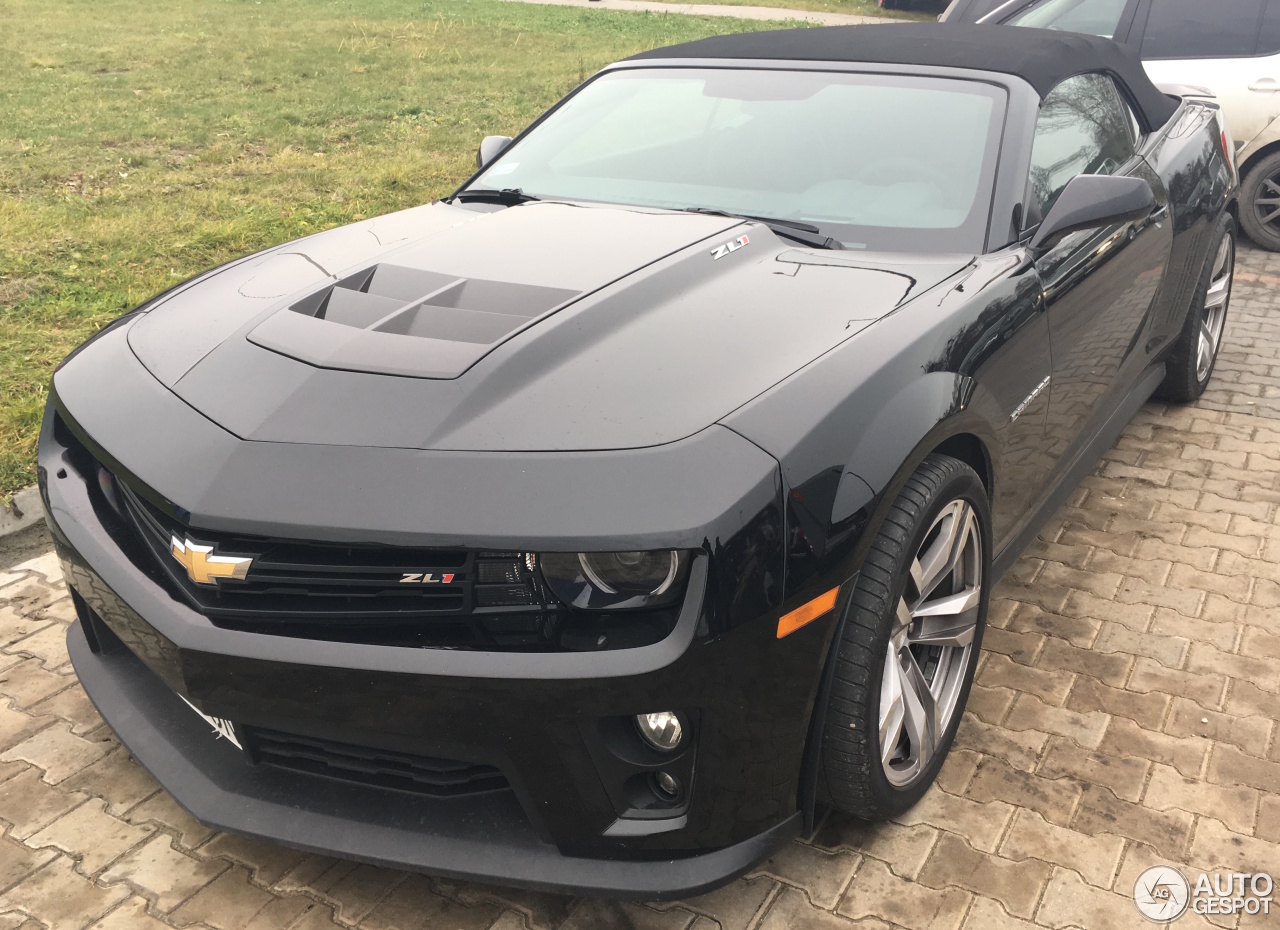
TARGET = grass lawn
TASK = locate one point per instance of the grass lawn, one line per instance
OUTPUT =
(922, 9)
(143, 142)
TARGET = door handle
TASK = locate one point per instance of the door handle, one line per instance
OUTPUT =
(1265, 86)
(1158, 214)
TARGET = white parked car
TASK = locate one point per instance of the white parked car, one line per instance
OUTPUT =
(1230, 47)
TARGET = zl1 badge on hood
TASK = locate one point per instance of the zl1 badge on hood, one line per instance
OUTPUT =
(721, 251)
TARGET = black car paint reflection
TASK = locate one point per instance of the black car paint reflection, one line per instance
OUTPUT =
(760, 410)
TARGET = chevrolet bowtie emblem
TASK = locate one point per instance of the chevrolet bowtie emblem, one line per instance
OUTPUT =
(203, 566)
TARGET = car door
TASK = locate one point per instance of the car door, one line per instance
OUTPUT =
(1099, 284)
(1231, 47)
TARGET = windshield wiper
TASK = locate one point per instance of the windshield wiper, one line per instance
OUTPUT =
(806, 233)
(508, 196)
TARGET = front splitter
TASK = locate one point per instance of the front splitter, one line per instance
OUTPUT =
(487, 839)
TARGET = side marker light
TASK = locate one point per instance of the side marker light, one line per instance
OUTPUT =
(807, 613)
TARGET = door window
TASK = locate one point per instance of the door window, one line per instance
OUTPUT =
(1091, 17)
(1202, 28)
(1269, 32)
(1083, 128)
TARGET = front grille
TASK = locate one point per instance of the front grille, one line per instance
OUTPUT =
(356, 593)
(384, 594)
(440, 778)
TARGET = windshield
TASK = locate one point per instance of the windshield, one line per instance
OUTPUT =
(875, 161)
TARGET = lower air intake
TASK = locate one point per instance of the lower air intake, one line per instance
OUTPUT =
(381, 768)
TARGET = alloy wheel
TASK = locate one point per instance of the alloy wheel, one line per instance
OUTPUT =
(1214, 318)
(1266, 204)
(931, 645)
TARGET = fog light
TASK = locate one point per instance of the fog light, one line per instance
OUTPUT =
(667, 785)
(662, 730)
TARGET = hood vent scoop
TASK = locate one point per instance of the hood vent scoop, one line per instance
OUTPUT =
(390, 319)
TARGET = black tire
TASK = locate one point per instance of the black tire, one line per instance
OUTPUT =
(1184, 380)
(1254, 216)
(853, 776)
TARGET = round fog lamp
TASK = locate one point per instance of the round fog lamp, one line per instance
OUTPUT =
(668, 785)
(662, 730)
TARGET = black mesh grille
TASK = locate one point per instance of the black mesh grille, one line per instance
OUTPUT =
(384, 594)
(357, 593)
(442, 778)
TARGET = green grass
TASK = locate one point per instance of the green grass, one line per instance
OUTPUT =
(143, 142)
(927, 9)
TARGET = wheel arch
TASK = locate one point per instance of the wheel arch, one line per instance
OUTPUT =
(1270, 148)
(962, 436)
(839, 508)
(971, 450)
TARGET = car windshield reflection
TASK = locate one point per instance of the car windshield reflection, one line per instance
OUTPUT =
(856, 155)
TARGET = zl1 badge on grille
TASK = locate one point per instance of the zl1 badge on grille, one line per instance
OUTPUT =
(426, 578)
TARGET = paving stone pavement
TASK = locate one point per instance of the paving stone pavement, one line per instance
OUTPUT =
(1124, 714)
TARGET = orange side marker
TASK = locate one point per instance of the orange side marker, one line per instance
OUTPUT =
(807, 613)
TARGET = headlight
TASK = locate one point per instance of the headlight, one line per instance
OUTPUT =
(611, 580)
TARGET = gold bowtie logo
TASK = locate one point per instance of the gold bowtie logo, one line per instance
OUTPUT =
(203, 566)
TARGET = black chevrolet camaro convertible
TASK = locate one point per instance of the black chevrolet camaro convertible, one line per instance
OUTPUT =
(593, 527)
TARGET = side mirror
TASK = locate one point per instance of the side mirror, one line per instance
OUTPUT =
(1091, 200)
(490, 148)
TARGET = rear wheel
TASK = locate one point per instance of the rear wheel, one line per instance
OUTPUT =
(905, 660)
(1190, 364)
(1260, 203)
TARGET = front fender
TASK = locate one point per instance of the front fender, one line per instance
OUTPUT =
(903, 432)
(851, 427)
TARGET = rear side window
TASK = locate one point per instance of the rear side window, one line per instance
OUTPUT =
(1202, 28)
(1083, 128)
(1269, 34)
(1091, 17)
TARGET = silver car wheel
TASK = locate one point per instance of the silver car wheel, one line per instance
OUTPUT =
(931, 645)
(1214, 317)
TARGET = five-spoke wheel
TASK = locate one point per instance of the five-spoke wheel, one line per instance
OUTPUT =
(908, 643)
(1191, 359)
(931, 644)
(1215, 308)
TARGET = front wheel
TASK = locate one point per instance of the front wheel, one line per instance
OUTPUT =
(909, 643)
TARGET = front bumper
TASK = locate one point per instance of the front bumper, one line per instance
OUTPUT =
(540, 718)
(559, 827)
(487, 839)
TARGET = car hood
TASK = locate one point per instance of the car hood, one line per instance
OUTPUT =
(542, 327)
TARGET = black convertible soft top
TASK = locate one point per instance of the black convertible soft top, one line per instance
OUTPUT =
(1041, 57)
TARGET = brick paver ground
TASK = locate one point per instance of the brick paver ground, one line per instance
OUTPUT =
(1125, 714)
